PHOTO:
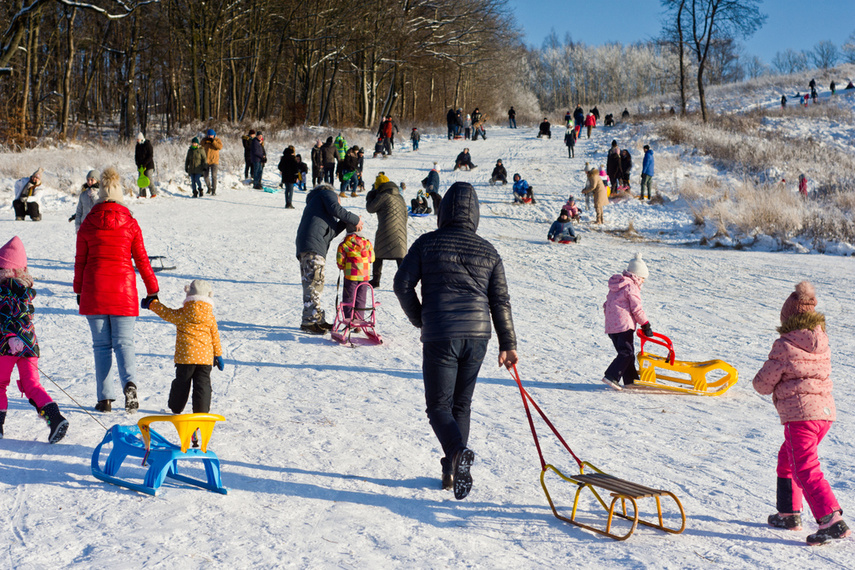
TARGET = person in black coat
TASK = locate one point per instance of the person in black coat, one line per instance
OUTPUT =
(323, 219)
(463, 289)
(499, 173)
(258, 157)
(570, 140)
(578, 118)
(451, 120)
(290, 170)
(144, 158)
(625, 166)
(613, 165)
(464, 159)
(545, 130)
(317, 164)
(596, 112)
(328, 154)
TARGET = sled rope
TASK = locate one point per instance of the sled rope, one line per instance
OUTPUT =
(526, 398)
(42, 372)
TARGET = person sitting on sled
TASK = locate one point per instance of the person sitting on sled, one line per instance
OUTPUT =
(354, 257)
(499, 173)
(562, 229)
(464, 159)
(523, 193)
(545, 129)
(419, 204)
(197, 345)
(572, 209)
(623, 312)
(18, 344)
(798, 376)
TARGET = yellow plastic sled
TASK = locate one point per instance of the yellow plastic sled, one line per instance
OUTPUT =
(710, 378)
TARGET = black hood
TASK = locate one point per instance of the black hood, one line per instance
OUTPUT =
(459, 207)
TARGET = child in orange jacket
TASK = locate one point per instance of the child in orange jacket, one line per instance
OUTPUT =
(197, 346)
(354, 256)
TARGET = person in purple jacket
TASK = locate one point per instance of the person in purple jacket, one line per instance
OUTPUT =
(623, 313)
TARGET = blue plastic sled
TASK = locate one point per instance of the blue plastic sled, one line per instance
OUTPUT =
(160, 455)
(410, 212)
(271, 189)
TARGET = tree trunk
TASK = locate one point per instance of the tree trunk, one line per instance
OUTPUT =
(66, 79)
(682, 52)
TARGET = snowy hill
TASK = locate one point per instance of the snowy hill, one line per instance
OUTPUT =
(326, 450)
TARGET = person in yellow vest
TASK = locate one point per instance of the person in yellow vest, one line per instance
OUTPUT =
(197, 345)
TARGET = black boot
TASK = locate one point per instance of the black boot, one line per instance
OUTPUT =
(786, 522)
(104, 406)
(2, 421)
(461, 464)
(831, 532)
(131, 402)
(58, 425)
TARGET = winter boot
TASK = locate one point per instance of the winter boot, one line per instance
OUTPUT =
(104, 406)
(831, 527)
(58, 425)
(447, 475)
(461, 464)
(2, 421)
(342, 194)
(614, 384)
(791, 521)
(131, 402)
(313, 328)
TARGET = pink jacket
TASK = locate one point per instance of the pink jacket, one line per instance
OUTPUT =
(798, 375)
(623, 303)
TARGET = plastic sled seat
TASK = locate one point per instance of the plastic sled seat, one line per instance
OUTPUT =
(160, 455)
(709, 378)
(362, 319)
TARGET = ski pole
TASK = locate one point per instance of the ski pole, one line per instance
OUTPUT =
(42, 372)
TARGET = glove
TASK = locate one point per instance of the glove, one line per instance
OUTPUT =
(72, 218)
(647, 329)
(218, 362)
(16, 345)
(78, 300)
(147, 301)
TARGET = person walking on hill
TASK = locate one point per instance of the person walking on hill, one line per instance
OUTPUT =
(144, 159)
(463, 288)
(597, 189)
(290, 170)
(570, 140)
(646, 172)
(590, 123)
(578, 120)
(390, 241)
(212, 145)
(195, 165)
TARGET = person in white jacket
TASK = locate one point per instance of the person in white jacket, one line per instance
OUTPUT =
(26, 202)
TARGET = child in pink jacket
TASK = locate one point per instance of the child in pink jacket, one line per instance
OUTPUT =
(797, 375)
(623, 312)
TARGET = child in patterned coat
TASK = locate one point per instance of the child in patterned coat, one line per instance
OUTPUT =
(197, 346)
(354, 256)
(798, 375)
(18, 344)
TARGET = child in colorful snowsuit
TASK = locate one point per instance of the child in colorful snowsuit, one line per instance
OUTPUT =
(623, 312)
(354, 256)
(522, 191)
(18, 344)
(197, 346)
(798, 375)
(562, 229)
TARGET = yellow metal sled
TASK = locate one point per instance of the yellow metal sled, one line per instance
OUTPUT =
(710, 378)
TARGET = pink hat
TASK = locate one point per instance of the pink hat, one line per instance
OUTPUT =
(13, 255)
(802, 300)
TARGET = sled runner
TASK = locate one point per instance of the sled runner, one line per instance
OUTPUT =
(361, 318)
(619, 489)
(710, 378)
(162, 456)
(158, 263)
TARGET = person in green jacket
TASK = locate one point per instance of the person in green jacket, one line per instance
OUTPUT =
(196, 165)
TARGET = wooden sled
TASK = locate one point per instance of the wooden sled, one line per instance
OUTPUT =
(709, 378)
(619, 489)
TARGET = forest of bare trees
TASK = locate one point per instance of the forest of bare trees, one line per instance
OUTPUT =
(75, 67)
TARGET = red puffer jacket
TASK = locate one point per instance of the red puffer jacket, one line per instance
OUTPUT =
(103, 273)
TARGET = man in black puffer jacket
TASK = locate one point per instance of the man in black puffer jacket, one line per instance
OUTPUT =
(463, 288)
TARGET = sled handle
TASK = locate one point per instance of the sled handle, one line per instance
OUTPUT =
(660, 339)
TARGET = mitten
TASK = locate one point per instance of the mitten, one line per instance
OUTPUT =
(218, 362)
(647, 329)
(147, 301)
(16, 345)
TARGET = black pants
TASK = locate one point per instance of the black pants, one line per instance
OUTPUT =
(377, 271)
(200, 376)
(437, 199)
(623, 366)
(23, 209)
(329, 173)
(247, 171)
(570, 147)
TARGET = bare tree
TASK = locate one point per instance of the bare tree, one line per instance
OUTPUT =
(825, 55)
(848, 49)
(674, 34)
(789, 61)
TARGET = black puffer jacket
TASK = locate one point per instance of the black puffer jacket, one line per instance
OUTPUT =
(390, 241)
(144, 155)
(462, 276)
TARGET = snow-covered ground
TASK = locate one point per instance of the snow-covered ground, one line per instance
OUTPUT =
(327, 452)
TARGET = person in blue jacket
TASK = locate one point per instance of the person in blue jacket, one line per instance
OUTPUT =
(522, 190)
(562, 229)
(646, 172)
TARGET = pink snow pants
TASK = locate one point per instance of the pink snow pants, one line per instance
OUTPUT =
(28, 380)
(798, 460)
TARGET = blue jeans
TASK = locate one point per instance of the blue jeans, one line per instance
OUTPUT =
(257, 169)
(289, 193)
(512, 122)
(450, 369)
(196, 184)
(350, 184)
(111, 334)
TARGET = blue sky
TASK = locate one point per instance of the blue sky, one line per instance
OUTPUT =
(795, 24)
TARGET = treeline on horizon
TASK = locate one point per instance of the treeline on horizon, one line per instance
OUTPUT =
(78, 67)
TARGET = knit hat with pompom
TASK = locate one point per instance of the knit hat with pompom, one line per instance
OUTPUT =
(638, 267)
(802, 300)
(110, 187)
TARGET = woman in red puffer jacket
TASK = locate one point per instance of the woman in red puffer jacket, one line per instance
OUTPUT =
(106, 288)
